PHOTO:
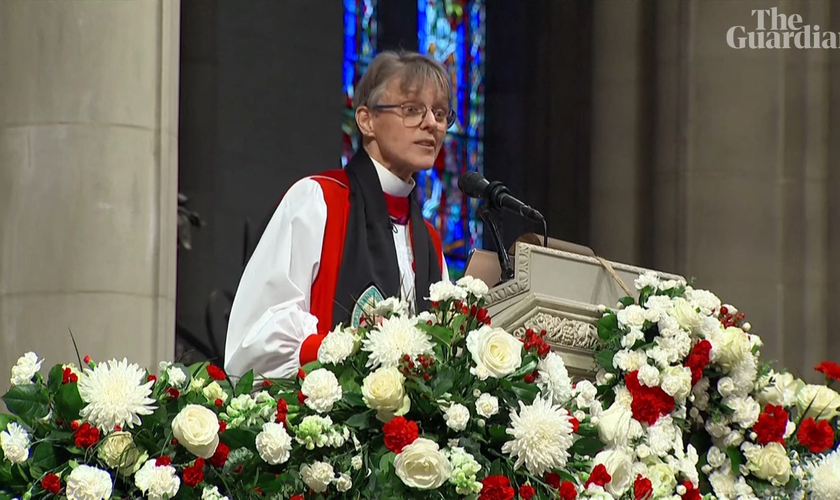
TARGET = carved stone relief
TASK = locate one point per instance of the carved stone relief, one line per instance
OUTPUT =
(562, 331)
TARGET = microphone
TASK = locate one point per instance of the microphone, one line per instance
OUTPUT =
(496, 194)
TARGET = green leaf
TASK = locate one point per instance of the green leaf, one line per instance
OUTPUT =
(608, 327)
(605, 360)
(55, 378)
(360, 420)
(528, 366)
(443, 382)
(245, 384)
(525, 392)
(347, 380)
(440, 334)
(43, 460)
(68, 402)
(586, 446)
(498, 433)
(627, 301)
(239, 438)
(5, 418)
(734, 455)
(27, 402)
(354, 399)
(311, 367)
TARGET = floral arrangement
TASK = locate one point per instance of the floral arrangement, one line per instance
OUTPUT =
(440, 405)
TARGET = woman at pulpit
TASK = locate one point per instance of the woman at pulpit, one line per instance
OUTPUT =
(335, 234)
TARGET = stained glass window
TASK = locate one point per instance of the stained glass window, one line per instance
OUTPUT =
(452, 31)
(359, 50)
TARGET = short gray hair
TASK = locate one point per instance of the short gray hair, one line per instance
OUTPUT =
(413, 69)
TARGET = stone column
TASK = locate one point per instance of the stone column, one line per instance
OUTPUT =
(88, 179)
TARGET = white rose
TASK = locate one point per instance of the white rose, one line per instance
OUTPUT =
(337, 346)
(118, 451)
(633, 316)
(662, 480)
(322, 390)
(495, 352)
(729, 347)
(824, 402)
(273, 443)
(343, 483)
(487, 405)
(782, 391)
(614, 425)
(676, 382)
(383, 390)
(88, 483)
(157, 482)
(318, 476)
(177, 377)
(25, 369)
(444, 290)
(770, 463)
(421, 465)
(474, 286)
(14, 442)
(686, 314)
(197, 429)
(457, 416)
(619, 465)
(356, 462)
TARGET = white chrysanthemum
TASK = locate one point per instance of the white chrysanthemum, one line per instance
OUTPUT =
(25, 369)
(474, 286)
(15, 443)
(444, 290)
(116, 393)
(273, 443)
(212, 494)
(336, 347)
(553, 380)
(88, 483)
(318, 476)
(157, 482)
(542, 436)
(457, 416)
(321, 389)
(393, 339)
(824, 483)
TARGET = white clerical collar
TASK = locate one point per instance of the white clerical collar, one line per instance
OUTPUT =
(392, 184)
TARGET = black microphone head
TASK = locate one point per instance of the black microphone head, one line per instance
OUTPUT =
(473, 184)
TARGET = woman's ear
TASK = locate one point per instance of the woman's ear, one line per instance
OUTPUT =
(364, 120)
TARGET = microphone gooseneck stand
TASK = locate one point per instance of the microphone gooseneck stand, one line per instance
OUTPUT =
(501, 251)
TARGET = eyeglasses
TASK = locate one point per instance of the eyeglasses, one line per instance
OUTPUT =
(414, 113)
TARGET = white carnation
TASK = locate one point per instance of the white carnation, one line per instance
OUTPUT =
(553, 380)
(14, 442)
(274, 444)
(25, 369)
(474, 286)
(321, 389)
(649, 376)
(337, 346)
(88, 483)
(212, 494)
(445, 290)
(487, 405)
(389, 306)
(457, 416)
(318, 476)
(704, 300)
(343, 483)
(629, 361)
(746, 410)
(648, 279)
(676, 382)
(630, 339)
(157, 482)
(632, 316)
(585, 393)
(177, 377)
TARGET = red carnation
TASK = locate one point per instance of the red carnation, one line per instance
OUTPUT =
(220, 456)
(817, 436)
(691, 493)
(642, 488)
(552, 479)
(771, 425)
(568, 491)
(297, 497)
(599, 476)
(496, 488)
(163, 461)
(216, 373)
(86, 436)
(575, 424)
(399, 433)
(526, 492)
(67, 376)
(173, 392)
(194, 473)
(697, 360)
(51, 483)
(831, 370)
(648, 402)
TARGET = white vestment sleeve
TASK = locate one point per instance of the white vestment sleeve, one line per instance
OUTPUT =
(270, 316)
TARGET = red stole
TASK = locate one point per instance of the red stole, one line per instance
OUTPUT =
(335, 187)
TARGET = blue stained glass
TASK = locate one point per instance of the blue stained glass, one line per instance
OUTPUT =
(359, 48)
